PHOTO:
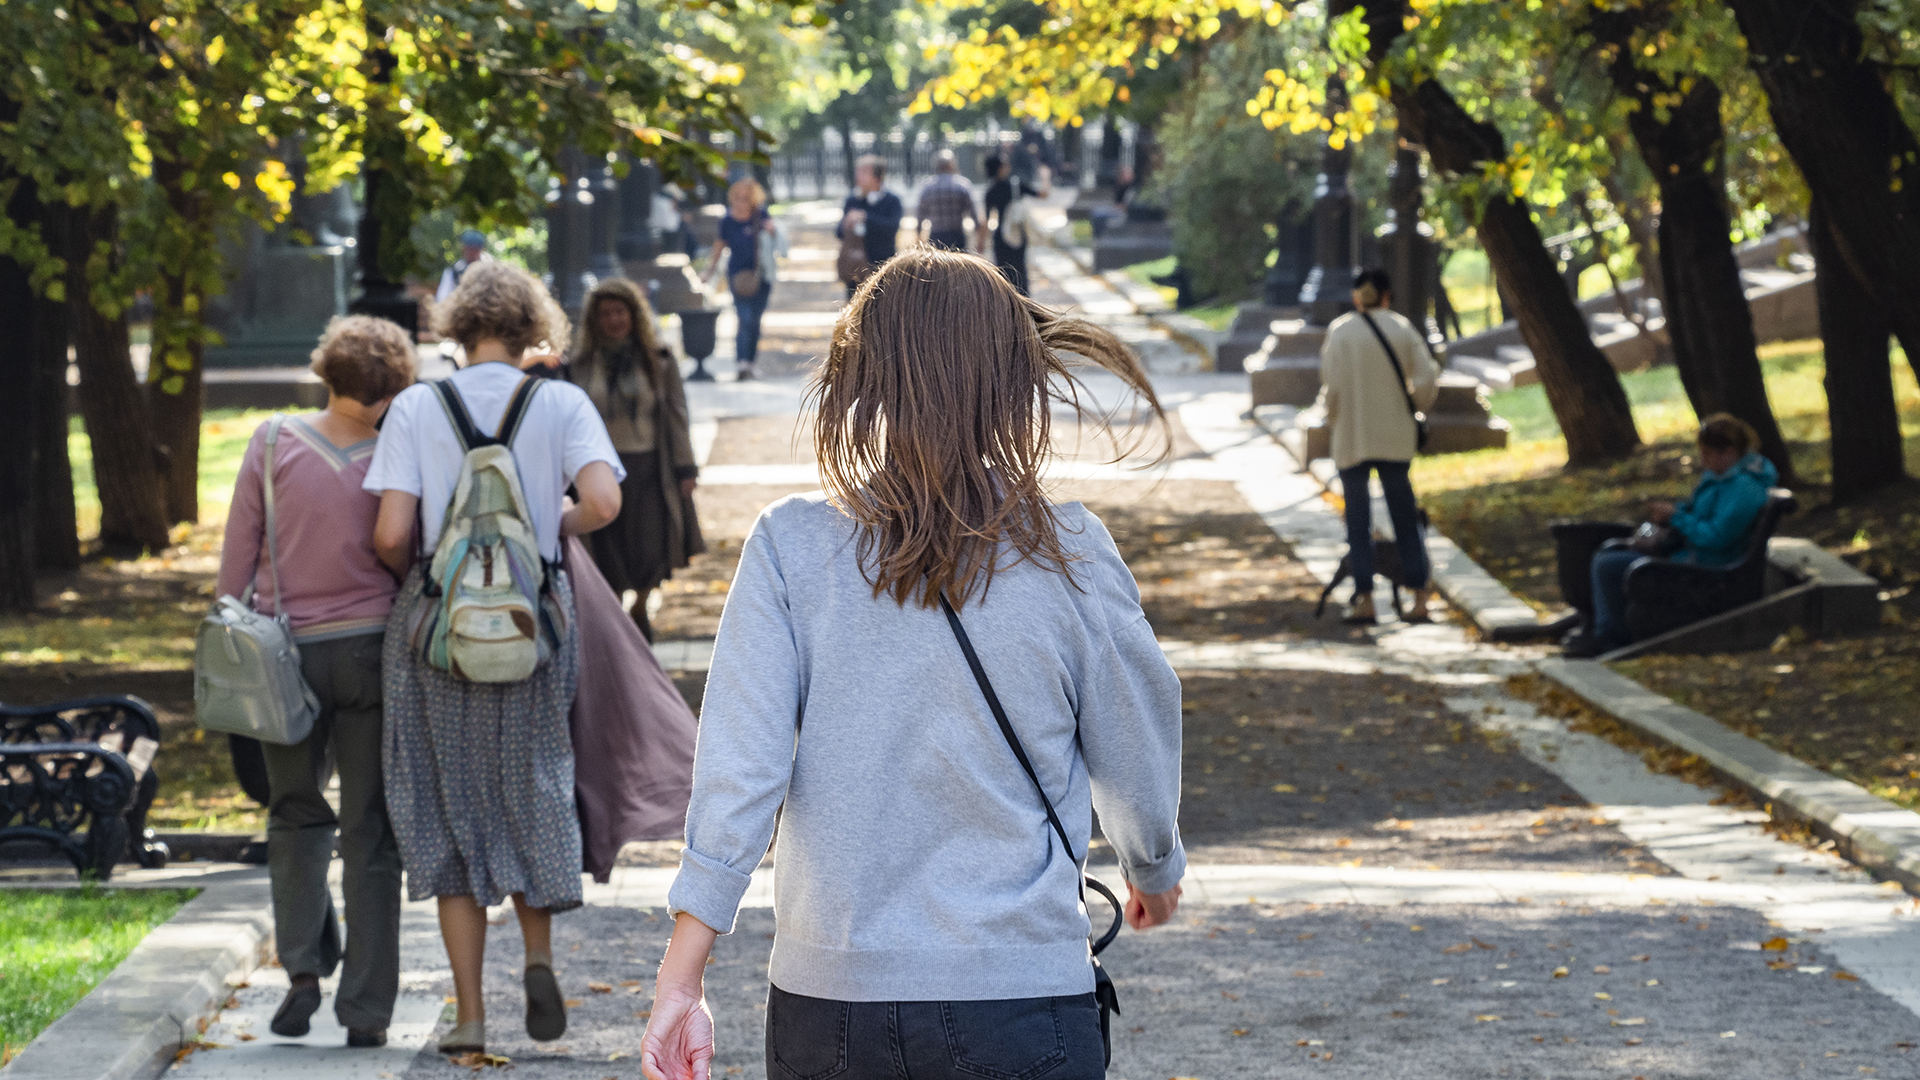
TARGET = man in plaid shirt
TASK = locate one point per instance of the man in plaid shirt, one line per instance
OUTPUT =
(946, 204)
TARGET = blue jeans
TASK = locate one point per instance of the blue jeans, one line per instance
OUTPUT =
(817, 1039)
(1407, 536)
(746, 342)
(1610, 566)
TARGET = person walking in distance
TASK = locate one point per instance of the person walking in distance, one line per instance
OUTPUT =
(750, 240)
(908, 941)
(337, 596)
(1010, 212)
(478, 762)
(946, 205)
(634, 382)
(1375, 376)
(473, 249)
(871, 213)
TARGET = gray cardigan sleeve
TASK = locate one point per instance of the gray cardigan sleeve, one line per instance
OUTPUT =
(1130, 728)
(743, 760)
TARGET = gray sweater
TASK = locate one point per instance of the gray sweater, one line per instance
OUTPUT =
(915, 861)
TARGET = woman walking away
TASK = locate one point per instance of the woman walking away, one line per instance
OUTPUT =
(635, 384)
(748, 236)
(1375, 374)
(939, 944)
(337, 596)
(478, 765)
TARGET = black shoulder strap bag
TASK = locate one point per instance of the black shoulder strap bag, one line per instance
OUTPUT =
(1103, 991)
(1419, 420)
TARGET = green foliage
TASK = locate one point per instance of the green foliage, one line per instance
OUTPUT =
(56, 944)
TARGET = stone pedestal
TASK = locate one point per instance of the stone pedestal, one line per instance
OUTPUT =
(1285, 370)
(669, 282)
(1252, 325)
(1143, 237)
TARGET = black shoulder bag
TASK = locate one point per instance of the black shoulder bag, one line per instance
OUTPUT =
(1419, 420)
(1103, 991)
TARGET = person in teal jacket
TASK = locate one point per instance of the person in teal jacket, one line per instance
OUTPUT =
(1714, 525)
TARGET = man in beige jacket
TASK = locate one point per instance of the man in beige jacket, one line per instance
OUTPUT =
(1369, 398)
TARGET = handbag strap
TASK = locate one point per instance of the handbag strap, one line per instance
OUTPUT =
(1020, 753)
(266, 484)
(1398, 371)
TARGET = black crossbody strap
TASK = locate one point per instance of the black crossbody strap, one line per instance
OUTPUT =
(1006, 726)
(1412, 410)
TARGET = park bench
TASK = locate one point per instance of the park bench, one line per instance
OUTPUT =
(1781, 583)
(77, 777)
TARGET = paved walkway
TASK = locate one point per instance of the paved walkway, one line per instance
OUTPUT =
(1400, 868)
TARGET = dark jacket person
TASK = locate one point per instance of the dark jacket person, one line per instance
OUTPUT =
(634, 382)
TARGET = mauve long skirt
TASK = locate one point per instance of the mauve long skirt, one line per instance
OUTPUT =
(632, 731)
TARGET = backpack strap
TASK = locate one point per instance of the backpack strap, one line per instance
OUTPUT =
(517, 409)
(457, 415)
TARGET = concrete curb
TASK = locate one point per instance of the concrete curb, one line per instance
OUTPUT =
(1869, 830)
(1500, 615)
(134, 1022)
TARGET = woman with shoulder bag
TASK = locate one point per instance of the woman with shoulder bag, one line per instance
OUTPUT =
(1376, 376)
(942, 943)
(480, 773)
(635, 384)
(747, 235)
(307, 550)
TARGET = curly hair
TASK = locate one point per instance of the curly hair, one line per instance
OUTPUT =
(364, 358)
(1725, 431)
(501, 302)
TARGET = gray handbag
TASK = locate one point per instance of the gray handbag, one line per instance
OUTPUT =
(246, 668)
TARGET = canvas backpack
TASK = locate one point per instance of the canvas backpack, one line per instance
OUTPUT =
(489, 618)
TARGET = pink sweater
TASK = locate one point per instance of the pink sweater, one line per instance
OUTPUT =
(335, 585)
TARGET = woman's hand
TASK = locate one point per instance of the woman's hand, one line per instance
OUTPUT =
(1147, 910)
(678, 1044)
(1660, 511)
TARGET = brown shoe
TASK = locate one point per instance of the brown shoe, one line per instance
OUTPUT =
(1360, 612)
(1418, 613)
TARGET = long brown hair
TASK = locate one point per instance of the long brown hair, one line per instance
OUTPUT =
(645, 331)
(934, 421)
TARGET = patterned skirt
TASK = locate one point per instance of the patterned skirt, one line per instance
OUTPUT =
(480, 776)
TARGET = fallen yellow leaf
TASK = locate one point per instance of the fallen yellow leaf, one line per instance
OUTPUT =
(1846, 976)
(1560, 973)
(1285, 789)
(1485, 1018)
(1603, 996)
(1635, 1021)
(574, 1003)
(600, 987)
(1776, 944)
(1460, 948)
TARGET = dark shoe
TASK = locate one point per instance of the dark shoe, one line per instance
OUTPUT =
(291, 1019)
(546, 1010)
(366, 1040)
(1581, 645)
(744, 373)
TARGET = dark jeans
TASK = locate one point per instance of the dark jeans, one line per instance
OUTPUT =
(1610, 566)
(1406, 523)
(746, 342)
(345, 674)
(816, 1039)
(949, 239)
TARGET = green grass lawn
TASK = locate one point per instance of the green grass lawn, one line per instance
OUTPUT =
(223, 441)
(56, 944)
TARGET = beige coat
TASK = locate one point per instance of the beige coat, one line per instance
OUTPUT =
(1360, 395)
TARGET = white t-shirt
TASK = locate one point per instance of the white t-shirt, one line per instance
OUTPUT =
(420, 454)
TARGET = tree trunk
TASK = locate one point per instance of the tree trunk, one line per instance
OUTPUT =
(1861, 412)
(175, 397)
(1582, 387)
(18, 427)
(56, 534)
(126, 463)
(846, 150)
(1861, 161)
(1708, 319)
